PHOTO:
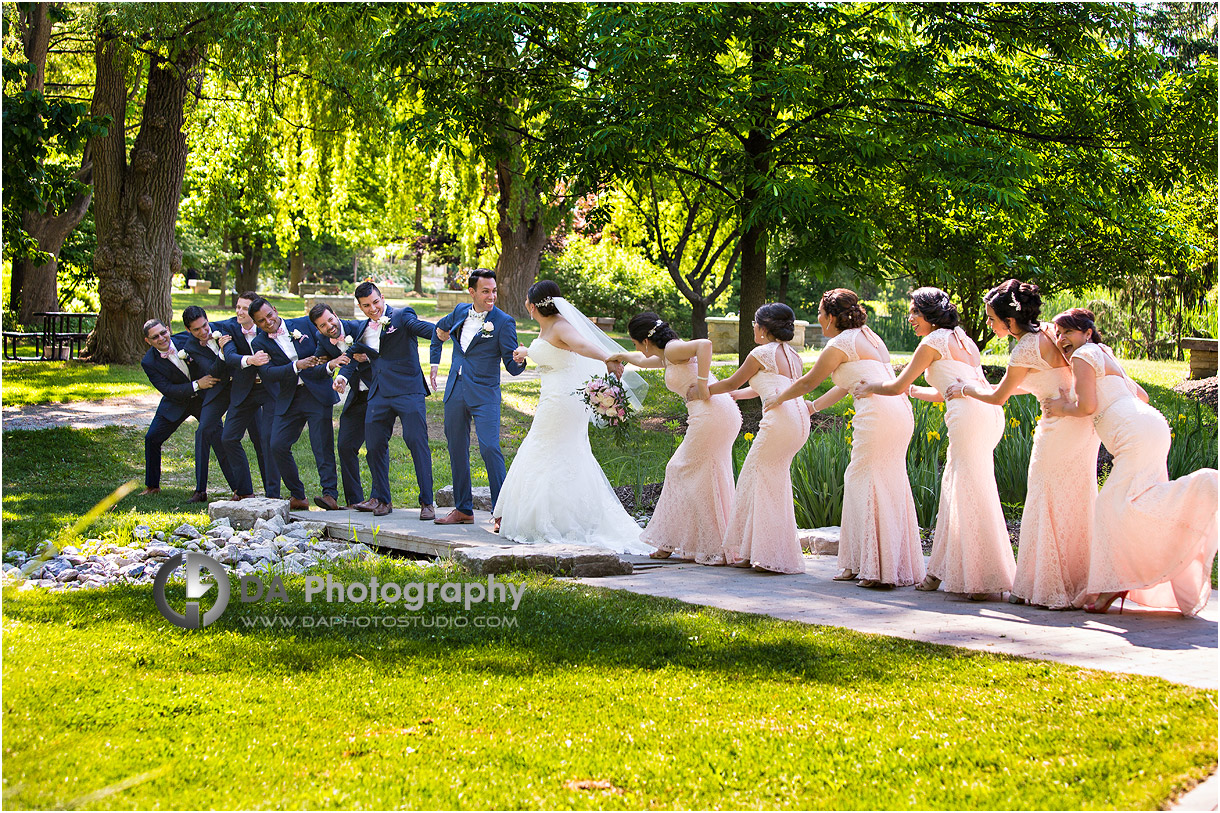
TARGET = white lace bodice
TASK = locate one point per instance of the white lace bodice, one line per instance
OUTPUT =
(947, 370)
(1042, 380)
(1110, 388)
(769, 382)
(856, 368)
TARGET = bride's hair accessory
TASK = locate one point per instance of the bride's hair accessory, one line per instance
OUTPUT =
(1016, 306)
(654, 328)
(542, 303)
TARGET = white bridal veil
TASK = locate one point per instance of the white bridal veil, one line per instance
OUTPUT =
(637, 387)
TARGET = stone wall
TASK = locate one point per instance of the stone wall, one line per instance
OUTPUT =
(722, 330)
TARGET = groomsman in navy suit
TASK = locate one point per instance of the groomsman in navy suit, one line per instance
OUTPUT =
(303, 395)
(396, 392)
(483, 337)
(205, 346)
(338, 343)
(251, 405)
(168, 366)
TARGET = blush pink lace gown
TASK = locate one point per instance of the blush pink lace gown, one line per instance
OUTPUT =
(879, 538)
(762, 530)
(970, 549)
(1152, 536)
(693, 511)
(1057, 523)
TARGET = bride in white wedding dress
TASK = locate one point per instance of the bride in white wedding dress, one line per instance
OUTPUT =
(555, 490)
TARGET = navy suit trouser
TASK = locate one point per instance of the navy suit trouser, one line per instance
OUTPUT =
(379, 425)
(253, 415)
(286, 428)
(160, 431)
(458, 415)
(211, 423)
(351, 438)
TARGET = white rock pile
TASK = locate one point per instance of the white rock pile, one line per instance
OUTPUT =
(272, 545)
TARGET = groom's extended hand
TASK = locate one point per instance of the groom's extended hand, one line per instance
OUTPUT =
(520, 354)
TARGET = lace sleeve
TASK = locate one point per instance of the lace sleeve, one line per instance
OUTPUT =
(938, 340)
(1094, 355)
(845, 342)
(764, 354)
(1026, 353)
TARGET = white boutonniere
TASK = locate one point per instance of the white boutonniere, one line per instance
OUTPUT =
(383, 320)
(488, 327)
(182, 355)
(297, 335)
(347, 340)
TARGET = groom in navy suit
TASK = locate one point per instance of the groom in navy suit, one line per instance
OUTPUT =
(483, 337)
(396, 392)
(303, 394)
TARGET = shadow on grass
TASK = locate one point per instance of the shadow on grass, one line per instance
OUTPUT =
(558, 626)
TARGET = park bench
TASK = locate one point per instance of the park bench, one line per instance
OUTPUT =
(13, 339)
(1202, 356)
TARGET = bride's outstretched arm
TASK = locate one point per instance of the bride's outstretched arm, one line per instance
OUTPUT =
(572, 339)
(637, 359)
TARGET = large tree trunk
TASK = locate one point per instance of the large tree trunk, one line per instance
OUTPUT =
(698, 319)
(754, 238)
(521, 241)
(251, 261)
(136, 203)
(419, 274)
(296, 271)
(34, 287)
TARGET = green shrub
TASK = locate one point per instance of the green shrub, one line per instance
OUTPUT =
(1194, 443)
(610, 280)
(817, 477)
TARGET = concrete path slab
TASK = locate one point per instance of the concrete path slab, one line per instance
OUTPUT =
(1140, 641)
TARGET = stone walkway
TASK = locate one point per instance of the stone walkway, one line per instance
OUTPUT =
(1141, 642)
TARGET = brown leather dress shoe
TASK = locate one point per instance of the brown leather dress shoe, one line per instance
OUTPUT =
(240, 497)
(326, 503)
(151, 490)
(297, 505)
(198, 496)
(368, 505)
(382, 509)
(455, 517)
(427, 512)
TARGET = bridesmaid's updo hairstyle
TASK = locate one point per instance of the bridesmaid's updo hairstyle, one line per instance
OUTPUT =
(778, 319)
(1079, 319)
(1020, 301)
(844, 307)
(933, 304)
(648, 325)
(541, 294)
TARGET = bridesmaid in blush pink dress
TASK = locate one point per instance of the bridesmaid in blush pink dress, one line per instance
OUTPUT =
(692, 513)
(1153, 539)
(762, 530)
(971, 552)
(879, 537)
(1057, 522)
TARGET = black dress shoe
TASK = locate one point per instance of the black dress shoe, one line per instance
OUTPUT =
(198, 496)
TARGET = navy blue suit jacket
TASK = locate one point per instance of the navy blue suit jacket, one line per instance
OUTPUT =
(396, 371)
(243, 378)
(178, 396)
(326, 348)
(477, 369)
(210, 364)
(280, 376)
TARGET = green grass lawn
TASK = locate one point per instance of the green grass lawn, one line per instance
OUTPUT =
(595, 699)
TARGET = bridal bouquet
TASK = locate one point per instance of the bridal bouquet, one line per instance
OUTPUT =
(607, 399)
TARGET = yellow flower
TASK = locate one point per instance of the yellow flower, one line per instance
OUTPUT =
(940, 405)
(849, 440)
(1171, 434)
(1037, 418)
(853, 412)
(1181, 417)
(749, 436)
(1014, 423)
(932, 433)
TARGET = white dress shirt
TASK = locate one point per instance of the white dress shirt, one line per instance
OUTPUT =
(472, 326)
(284, 340)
